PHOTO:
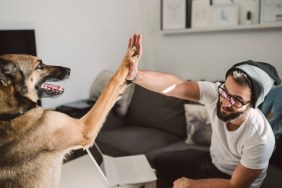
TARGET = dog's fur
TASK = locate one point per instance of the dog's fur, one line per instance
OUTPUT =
(33, 140)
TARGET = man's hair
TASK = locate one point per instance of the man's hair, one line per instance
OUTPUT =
(239, 77)
(262, 76)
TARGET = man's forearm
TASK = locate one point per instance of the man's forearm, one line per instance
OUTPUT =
(208, 183)
(168, 84)
(156, 81)
(213, 183)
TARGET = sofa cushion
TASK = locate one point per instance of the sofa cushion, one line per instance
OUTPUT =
(154, 110)
(276, 158)
(272, 109)
(131, 140)
(198, 125)
(178, 146)
(273, 178)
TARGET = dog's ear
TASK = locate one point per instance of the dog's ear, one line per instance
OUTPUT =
(7, 71)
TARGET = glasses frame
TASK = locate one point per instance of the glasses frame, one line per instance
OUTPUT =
(229, 97)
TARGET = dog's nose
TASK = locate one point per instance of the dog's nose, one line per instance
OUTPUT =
(68, 70)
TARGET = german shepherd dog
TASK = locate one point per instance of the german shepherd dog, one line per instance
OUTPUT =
(33, 140)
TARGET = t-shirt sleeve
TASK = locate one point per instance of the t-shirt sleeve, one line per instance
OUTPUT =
(256, 156)
(208, 92)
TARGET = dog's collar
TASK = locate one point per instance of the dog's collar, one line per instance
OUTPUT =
(13, 115)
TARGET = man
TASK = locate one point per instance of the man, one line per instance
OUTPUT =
(242, 139)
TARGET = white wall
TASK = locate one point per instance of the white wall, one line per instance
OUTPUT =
(207, 55)
(85, 35)
(91, 35)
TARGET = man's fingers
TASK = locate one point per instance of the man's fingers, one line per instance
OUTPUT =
(130, 42)
(133, 55)
(138, 44)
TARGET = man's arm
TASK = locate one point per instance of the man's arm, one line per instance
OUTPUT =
(242, 178)
(166, 84)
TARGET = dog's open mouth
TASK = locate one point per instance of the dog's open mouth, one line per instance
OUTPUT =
(51, 90)
(46, 87)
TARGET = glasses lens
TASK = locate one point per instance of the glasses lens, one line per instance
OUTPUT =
(233, 100)
(222, 92)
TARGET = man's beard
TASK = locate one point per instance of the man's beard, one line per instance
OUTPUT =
(232, 116)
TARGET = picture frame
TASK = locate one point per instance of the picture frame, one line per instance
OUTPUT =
(200, 13)
(271, 11)
(225, 15)
(249, 11)
(173, 14)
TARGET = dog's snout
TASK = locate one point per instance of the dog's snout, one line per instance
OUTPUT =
(68, 70)
(59, 72)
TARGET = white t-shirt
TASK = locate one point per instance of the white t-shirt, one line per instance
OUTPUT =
(251, 144)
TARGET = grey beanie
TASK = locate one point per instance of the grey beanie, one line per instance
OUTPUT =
(262, 77)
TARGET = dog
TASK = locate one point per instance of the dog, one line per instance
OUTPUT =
(34, 140)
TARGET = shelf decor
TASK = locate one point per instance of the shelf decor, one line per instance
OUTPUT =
(200, 13)
(248, 11)
(173, 14)
(227, 15)
(220, 15)
(271, 11)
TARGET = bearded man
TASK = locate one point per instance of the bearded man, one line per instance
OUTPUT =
(242, 140)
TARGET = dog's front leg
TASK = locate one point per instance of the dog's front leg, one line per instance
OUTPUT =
(95, 118)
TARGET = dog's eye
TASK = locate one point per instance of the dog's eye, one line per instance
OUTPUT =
(40, 66)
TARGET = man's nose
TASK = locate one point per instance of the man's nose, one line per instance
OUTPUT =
(226, 102)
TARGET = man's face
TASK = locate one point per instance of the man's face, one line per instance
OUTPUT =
(234, 100)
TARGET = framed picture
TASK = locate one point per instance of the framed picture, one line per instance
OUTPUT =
(173, 14)
(249, 11)
(271, 11)
(225, 15)
(200, 13)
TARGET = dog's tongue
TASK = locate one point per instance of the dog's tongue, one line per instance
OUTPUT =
(52, 87)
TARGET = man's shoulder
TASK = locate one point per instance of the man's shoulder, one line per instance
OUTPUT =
(208, 92)
(259, 126)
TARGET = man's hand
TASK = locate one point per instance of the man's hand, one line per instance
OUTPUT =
(182, 183)
(242, 177)
(134, 41)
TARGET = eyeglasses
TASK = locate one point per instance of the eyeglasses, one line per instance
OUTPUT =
(234, 101)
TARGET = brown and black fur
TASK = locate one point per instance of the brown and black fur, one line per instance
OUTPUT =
(33, 140)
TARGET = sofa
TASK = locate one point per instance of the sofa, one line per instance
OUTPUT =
(152, 124)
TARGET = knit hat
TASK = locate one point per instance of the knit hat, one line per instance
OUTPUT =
(262, 77)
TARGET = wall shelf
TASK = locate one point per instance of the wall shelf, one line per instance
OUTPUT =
(218, 29)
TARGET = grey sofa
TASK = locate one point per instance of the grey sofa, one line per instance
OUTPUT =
(155, 124)
(152, 125)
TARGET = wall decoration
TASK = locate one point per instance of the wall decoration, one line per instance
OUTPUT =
(225, 15)
(271, 11)
(200, 13)
(173, 14)
(248, 11)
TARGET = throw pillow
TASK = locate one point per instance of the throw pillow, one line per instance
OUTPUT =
(198, 125)
(272, 109)
(100, 83)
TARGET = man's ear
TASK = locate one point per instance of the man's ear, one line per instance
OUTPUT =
(7, 71)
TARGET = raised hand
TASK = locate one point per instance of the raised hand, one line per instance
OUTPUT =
(135, 41)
